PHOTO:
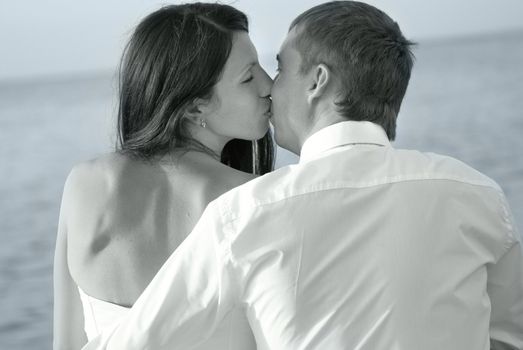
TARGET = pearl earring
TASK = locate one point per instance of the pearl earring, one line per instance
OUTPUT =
(203, 123)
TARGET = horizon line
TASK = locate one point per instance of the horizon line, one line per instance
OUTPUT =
(111, 72)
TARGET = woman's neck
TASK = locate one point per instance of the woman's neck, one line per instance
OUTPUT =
(210, 140)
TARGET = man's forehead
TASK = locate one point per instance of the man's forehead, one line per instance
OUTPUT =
(288, 42)
(287, 48)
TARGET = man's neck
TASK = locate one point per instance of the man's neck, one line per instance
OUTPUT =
(321, 121)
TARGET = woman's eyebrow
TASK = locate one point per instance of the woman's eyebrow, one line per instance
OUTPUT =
(247, 67)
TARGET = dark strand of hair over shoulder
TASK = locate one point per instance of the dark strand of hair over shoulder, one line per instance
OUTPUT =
(176, 55)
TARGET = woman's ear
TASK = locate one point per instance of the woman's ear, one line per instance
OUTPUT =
(320, 80)
(197, 110)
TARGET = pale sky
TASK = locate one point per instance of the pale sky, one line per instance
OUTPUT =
(61, 37)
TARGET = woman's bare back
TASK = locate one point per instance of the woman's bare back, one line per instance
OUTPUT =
(125, 217)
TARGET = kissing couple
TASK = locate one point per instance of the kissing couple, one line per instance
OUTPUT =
(185, 237)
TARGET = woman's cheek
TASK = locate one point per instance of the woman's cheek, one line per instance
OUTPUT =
(248, 100)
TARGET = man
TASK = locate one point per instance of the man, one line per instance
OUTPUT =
(359, 246)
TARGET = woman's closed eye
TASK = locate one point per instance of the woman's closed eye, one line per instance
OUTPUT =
(248, 79)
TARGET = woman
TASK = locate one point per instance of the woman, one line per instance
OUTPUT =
(192, 95)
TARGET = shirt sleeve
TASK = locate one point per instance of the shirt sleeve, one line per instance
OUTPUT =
(185, 301)
(505, 289)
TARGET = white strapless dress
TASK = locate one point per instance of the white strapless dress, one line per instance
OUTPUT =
(234, 332)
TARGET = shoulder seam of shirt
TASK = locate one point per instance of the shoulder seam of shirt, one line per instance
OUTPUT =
(233, 215)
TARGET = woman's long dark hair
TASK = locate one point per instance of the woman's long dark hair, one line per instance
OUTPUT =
(176, 55)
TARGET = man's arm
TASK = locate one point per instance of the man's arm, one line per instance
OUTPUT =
(505, 289)
(185, 301)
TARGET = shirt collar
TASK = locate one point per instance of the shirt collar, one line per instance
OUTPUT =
(341, 134)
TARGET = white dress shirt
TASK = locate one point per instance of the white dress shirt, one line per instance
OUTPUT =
(359, 246)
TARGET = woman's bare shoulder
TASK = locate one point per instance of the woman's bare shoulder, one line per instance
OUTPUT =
(212, 178)
(102, 172)
(105, 164)
(226, 178)
(84, 175)
(237, 177)
(94, 185)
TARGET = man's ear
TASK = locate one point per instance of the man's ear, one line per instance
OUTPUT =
(320, 80)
